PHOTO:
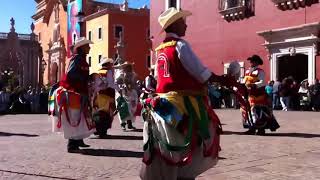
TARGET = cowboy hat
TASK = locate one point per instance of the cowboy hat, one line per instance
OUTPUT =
(81, 42)
(123, 65)
(256, 59)
(170, 16)
(105, 60)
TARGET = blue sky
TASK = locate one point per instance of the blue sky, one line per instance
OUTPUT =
(22, 10)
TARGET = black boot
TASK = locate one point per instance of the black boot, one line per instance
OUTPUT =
(261, 132)
(130, 126)
(123, 126)
(73, 146)
(82, 144)
(251, 131)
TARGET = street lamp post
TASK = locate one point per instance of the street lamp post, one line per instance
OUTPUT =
(43, 68)
(6, 75)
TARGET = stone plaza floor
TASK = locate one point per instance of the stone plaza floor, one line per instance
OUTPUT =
(29, 151)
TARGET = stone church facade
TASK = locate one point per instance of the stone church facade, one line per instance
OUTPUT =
(21, 57)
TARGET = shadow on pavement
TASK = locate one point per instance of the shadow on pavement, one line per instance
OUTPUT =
(120, 137)
(137, 130)
(17, 134)
(232, 133)
(36, 175)
(297, 135)
(111, 153)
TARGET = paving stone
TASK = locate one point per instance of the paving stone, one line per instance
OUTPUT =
(28, 150)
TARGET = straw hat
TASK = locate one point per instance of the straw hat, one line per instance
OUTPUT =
(170, 16)
(81, 42)
(105, 60)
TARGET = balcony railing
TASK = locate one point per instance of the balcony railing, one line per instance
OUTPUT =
(3, 35)
(236, 9)
(293, 4)
(27, 37)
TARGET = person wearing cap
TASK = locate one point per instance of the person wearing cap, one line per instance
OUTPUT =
(127, 98)
(102, 100)
(181, 135)
(72, 97)
(260, 116)
(106, 73)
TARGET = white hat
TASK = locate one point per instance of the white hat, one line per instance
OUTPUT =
(105, 60)
(170, 16)
(81, 42)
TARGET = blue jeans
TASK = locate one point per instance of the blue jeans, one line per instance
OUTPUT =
(285, 101)
(275, 100)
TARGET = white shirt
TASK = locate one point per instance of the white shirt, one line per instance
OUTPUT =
(261, 76)
(148, 83)
(102, 83)
(190, 61)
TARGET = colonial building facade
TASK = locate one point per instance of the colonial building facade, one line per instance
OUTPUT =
(59, 22)
(20, 58)
(285, 33)
(122, 28)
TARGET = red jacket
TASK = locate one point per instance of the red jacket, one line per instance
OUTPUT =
(172, 76)
(76, 78)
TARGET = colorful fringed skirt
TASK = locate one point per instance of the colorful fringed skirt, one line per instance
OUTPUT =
(181, 137)
(127, 106)
(258, 114)
(71, 114)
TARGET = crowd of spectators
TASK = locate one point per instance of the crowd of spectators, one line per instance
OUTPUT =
(23, 100)
(292, 95)
(285, 95)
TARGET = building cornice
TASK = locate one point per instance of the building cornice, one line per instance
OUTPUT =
(137, 12)
(38, 15)
(304, 30)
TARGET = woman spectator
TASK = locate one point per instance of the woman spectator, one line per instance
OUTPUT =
(294, 100)
(304, 95)
(285, 94)
(269, 90)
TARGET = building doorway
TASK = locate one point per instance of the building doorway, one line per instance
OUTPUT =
(54, 73)
(295, 66)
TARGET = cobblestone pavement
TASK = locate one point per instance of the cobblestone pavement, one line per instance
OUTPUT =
(29, 151)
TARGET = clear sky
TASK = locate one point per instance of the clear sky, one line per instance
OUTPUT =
(22, 10)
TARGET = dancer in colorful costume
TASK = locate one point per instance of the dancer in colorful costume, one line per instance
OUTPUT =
(127, 98)
(103, 96)
(71, 100)
(258, 116)
(182, 133)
